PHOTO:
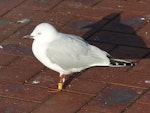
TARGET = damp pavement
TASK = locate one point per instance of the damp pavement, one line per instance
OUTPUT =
(120, 27)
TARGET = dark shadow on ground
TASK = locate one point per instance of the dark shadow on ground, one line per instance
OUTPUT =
(119, 33)
(116, 33)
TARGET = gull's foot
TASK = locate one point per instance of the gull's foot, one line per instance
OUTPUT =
(59, 88)
(59, 85)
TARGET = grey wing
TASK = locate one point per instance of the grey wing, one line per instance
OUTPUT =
(72, 53)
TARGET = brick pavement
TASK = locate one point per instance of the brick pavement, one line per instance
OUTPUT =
(121, 27)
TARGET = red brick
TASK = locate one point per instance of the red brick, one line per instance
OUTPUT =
(5, 59)
(5, 34)
(7, 28)
(115, 4)
(34, 12)
(8, 5)
(63, 102)
(17, 50)
(125, 5)
(119, 39)
(132, 79)
(79, 3)
(39, 5)
(145, 98)
(103, 46)
(144, 1)
(138, 108)
(67, 9)
(132, 1)
(51, 78)
(126, 22)
(139, 6)
(45, 79)
(23, 92)
(84, 26)
(144, 32)
(112, 100)
(16, 106)
(20, 70)
(142, 66)
(102, 74)
(85, 86)
(73, 9)
(129, 53)
(52, 17)
(18, 14)
(87, 111)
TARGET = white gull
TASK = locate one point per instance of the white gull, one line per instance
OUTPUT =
(66, 53)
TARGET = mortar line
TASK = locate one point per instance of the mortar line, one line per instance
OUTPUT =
(32, 76)
(101, 28)
(10, 62)
(13, 33)
(51, 9)
(97, 2)
(134, 100)
(12, 8)
(92, 98)
(21, 99)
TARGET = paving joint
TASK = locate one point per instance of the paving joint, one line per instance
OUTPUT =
(134, 100)
(13, 8)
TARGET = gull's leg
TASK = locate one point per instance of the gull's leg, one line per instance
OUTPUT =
(61, 82)
(59, 85)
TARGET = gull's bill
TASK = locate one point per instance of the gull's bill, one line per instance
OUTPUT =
(27, 36)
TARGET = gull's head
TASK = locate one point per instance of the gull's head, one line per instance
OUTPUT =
(43, 30)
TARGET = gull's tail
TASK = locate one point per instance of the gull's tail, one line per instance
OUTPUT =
(118, 63)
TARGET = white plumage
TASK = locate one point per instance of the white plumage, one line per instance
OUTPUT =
(66, 53)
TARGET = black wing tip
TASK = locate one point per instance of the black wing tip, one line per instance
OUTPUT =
(131, 64)
(118, 62)
(123, 64)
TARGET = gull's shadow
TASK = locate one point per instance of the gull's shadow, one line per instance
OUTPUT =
(121, 34)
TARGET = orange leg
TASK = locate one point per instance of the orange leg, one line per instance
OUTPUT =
(59, 85)
(61, 82)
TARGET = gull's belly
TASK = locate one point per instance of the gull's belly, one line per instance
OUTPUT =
(39, 52)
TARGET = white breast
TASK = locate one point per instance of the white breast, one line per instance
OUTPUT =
(39, 51)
